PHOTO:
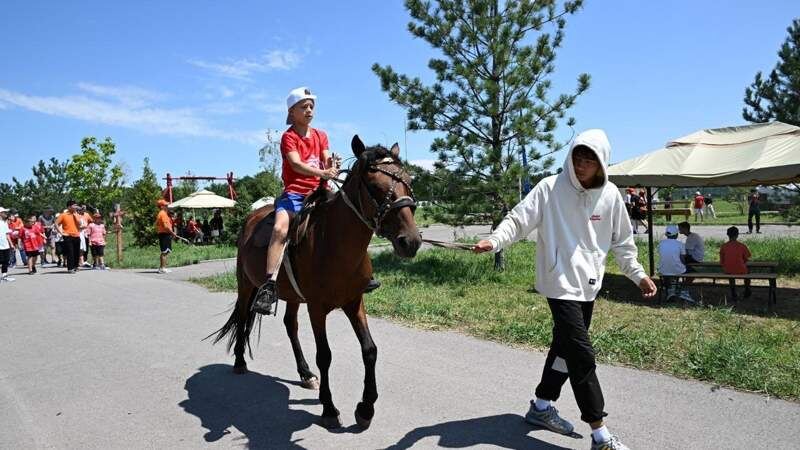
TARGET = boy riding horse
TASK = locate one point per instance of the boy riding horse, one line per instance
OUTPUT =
(306, 160)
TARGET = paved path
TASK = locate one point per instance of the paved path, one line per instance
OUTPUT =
(115, 360)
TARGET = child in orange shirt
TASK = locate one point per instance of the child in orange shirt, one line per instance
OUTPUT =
(31, 238)
(733, 256)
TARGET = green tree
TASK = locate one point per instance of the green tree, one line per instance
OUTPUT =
(93, 177)
(490, 98)
(48, 187)
(141, 208)
(777, 97)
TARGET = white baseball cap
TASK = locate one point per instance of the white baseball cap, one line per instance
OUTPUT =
(672, 230)
(3, 209)
(297, 95)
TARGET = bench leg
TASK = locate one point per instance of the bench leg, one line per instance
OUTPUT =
(773, 295)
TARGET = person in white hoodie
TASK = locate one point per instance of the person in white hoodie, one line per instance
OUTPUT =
(579, 217)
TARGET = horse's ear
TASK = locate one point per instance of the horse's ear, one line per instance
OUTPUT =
(357, 146)
(395, 150)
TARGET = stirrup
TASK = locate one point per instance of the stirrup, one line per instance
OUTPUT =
(266, 299)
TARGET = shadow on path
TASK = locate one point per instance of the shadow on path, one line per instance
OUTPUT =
(255, 404)
(504, 430)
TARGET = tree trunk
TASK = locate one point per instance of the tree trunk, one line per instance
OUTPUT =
(500, 257)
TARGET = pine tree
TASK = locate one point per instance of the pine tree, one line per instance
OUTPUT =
(777, 97)
(142, 208)
(490, 97)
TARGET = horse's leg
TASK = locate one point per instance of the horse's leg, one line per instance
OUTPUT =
(330, 415)
(369, 352)
(307, 377)
(246, 292)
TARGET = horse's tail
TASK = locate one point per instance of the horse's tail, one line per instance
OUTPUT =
(240, 323)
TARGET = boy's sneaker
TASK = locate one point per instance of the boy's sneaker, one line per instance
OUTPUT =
(9, 279)
(163, 270)
(266, 296)
(549, 419)
(103, 267)
(611, 444)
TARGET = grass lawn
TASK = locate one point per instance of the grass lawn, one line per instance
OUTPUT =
(741, 347)
(147, 257)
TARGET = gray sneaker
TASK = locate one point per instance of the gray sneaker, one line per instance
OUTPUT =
(611, 444)
(549, 419)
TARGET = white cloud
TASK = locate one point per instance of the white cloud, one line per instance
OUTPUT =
(426, 164)
(127, 95)
(242, 69)
(127, 108)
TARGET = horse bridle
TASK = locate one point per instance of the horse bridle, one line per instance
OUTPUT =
(375, 222)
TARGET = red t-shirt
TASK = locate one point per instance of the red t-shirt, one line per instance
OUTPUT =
(31, 238)
(310, 150)
(699, 202)
(733, 256)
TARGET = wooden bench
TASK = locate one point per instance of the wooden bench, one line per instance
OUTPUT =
(772, 278)
(673, 212)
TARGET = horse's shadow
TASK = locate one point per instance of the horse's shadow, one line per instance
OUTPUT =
(256, 405)
(502, 430)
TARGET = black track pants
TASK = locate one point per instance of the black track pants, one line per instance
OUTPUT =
(571, 357)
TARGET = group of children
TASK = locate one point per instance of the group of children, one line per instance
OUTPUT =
(48, 234)
(675, 257)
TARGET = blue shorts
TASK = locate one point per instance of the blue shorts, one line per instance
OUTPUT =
(290, 202)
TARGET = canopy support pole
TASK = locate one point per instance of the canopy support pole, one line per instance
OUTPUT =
(650, 230)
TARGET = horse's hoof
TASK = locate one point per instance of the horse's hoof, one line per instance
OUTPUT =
(310, 383)
(239, 370)
(363, 423)
(332, 422)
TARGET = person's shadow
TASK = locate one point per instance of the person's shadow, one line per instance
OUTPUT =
(257, 405)
(503, 430)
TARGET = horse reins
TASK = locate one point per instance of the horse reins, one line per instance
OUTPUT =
(375, 223)
(382, 209)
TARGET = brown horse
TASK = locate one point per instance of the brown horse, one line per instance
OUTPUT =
(331, 266)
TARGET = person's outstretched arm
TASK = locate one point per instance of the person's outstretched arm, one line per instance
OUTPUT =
(520, 222)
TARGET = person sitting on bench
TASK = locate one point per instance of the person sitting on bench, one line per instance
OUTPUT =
(672, 262)
(733, 256)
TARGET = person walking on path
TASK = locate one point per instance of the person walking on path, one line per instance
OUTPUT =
(16, 224)
(579, 216)
(31, 239)
(709, 203)
(47, 220)
(5, 246)
(97, 241)
(699, 205)
(754, 210)
(165, 234)
(68, 225)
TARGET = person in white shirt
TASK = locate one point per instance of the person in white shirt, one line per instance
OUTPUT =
(5, 246)
(672, 254)
(695, 247)
(579, 217)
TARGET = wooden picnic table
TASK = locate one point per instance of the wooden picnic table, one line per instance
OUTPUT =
(771, 276)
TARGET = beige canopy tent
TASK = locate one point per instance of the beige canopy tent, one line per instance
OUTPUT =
(203, 199)
(749, 155)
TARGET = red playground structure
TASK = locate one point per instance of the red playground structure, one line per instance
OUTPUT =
(228, 177)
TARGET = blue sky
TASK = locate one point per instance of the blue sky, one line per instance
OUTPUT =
(194, 85)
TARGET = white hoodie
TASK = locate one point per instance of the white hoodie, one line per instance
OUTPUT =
(576, 229)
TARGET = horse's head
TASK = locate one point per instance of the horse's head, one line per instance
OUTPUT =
(385, 196)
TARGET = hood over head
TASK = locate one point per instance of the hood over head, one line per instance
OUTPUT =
(595, 140)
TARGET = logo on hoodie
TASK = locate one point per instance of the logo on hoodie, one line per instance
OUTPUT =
(595, 217)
